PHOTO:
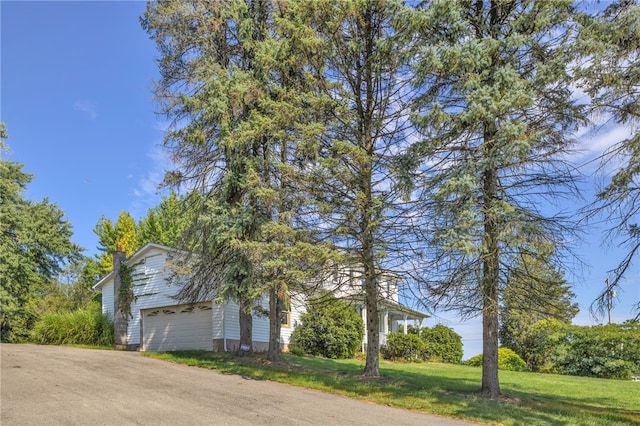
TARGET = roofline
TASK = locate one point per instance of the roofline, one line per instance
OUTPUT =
(405, 309)
(133, 258)
(392, 305)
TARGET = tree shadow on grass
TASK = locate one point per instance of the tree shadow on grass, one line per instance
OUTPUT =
(435, 388)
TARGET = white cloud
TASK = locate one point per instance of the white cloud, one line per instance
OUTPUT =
(87, 107)
(595, 142)
(147, 191)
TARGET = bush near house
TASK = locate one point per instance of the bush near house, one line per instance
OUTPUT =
(437, 344)
(330, 328)
(442, 344)
(400, 346)
(507, 360)
(83, 327)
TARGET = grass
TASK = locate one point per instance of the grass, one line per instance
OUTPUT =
(444, 389)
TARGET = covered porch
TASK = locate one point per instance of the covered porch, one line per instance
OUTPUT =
(393, 317)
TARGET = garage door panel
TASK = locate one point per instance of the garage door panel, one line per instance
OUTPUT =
(177, 328)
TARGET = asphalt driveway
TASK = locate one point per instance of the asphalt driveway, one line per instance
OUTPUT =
(51, 385)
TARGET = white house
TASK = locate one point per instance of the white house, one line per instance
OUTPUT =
(159, 322)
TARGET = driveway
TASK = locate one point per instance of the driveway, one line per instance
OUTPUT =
(51, 385)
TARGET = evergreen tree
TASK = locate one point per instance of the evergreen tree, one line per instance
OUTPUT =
(610, 74)
(496, 116)
(239, 100)
(165, 223)
(360, 64)
(35, 243)
(535, 290)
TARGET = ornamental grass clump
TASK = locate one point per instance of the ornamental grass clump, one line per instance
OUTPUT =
(81, 327)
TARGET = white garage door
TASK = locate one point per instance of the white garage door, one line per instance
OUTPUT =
(179, 327)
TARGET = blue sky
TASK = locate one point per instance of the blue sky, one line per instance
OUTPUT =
(76, 81)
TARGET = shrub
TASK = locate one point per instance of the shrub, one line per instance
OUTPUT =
(403, 346)
(83, 326)
(609, 351)
(511, 361)
(331, 328)
(606, 351)
(543, 344)
(507, 360)
(441, 343)
(294, 350)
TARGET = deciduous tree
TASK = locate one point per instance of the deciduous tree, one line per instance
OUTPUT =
(442, 343)
(35, 243)
(115, 236)
(330, 328)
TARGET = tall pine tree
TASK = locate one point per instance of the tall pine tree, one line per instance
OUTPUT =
(496, 116)
(361, 66)
(238, 98)
(610, 74)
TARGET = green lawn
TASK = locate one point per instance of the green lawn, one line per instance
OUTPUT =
(445, 389)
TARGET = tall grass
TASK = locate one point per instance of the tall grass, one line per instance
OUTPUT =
(82, 327)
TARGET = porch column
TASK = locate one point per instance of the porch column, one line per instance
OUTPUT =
(406, 323)
(385, 328)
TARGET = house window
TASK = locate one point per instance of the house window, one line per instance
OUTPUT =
(285, 318)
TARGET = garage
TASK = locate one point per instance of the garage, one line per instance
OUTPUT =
(181, 327)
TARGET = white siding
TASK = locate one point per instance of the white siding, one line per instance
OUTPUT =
(260, 330)
(153, 290)
(107, 299)
(231, 321)
(151, 287)
(218, 319)
(297, 309)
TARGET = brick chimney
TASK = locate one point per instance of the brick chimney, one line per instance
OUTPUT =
(120, 319)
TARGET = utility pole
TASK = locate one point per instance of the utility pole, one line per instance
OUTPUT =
(610, 296)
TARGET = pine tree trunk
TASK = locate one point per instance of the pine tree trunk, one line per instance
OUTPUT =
(490, 270)
(371, 368)
(366, 112)
(490, 381)
(246, 326)
(275, 324)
